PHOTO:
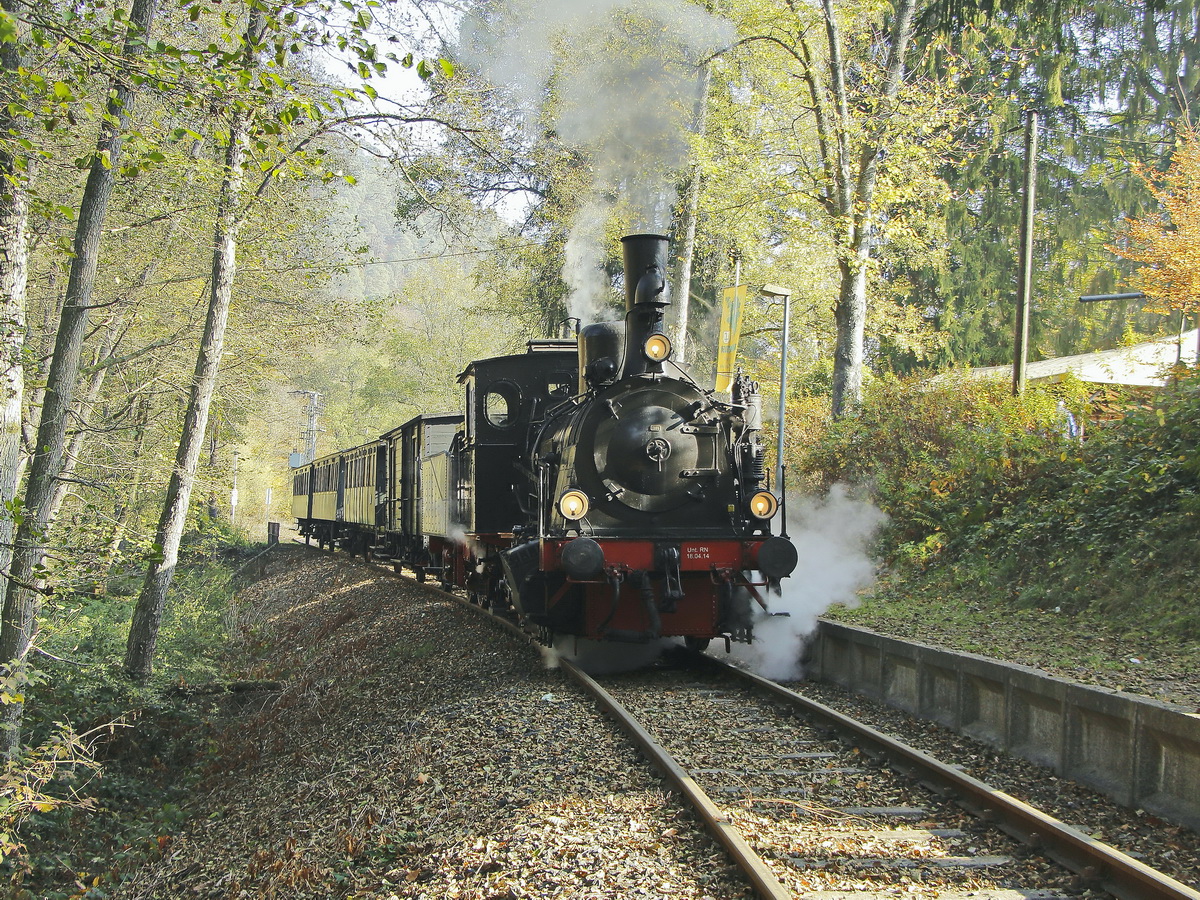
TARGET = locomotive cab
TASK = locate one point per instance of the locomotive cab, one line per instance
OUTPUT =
(506, 396)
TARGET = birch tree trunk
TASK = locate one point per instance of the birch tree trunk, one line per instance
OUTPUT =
(147, 615)
(21, 596)
(682, 292)
(14, 256)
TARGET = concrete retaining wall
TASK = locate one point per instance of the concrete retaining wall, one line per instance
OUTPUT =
(1141, 752)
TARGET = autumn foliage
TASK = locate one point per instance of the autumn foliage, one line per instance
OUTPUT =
(1168, 242)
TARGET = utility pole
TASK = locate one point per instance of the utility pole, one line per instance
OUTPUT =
(1025, 278)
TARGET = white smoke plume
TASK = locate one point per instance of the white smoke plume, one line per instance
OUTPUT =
(832, 535)
(617, 80)
(583, 261)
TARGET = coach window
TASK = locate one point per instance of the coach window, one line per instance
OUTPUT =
(502, 404)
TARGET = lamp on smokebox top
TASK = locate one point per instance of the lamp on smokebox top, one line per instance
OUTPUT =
(774, 291)
(657, 347)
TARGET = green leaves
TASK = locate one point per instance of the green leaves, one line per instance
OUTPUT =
(974, 479)
(8, 28)
(427, 69)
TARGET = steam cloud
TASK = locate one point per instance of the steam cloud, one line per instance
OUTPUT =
(831, 535)
(624, 74)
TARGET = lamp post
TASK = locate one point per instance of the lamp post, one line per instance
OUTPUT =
(233, 493)
(775, 291)
(1025, 275)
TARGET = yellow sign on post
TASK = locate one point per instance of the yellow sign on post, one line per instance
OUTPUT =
(731, 332)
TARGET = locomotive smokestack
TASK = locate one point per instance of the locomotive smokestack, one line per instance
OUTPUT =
(646, 344)
(645, 269)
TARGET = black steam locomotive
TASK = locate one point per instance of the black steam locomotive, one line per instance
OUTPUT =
(585, 487)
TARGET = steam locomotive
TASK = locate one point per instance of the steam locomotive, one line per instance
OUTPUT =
(584, 486)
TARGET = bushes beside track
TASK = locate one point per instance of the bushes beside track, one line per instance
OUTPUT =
(990, 493)
(113, 798)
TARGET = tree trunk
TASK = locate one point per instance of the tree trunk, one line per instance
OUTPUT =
(14, 257)
(682, 292)
(20, 599)
(82, 414)
(214, 511)
(129, 501)
(850, 314)
(35, 379)
(853, 200)
(147, 615)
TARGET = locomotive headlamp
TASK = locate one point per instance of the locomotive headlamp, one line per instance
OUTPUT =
(574, 505)
(763, 505)
(657, 347)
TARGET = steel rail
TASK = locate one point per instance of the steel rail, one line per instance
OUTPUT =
(1095, 862)
(760, 874)
(742, 854)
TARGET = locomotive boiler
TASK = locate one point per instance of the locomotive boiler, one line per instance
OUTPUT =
(592, 486)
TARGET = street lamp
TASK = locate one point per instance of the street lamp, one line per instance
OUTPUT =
(775, 291)
(233, 494)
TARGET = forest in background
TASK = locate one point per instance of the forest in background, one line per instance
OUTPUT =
(211, 211)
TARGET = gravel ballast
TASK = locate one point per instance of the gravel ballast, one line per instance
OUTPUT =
(412, 750)
(415, 751)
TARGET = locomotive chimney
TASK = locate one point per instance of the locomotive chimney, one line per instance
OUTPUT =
(645, 255)
(646, 343)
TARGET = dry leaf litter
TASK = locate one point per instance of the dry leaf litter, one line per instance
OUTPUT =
(416, 752)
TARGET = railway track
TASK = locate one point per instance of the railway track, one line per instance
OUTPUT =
(833, 807)
(811, 803)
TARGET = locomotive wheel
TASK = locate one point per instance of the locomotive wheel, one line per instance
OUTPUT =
(695, 644)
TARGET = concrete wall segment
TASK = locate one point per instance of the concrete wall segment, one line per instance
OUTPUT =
(1139, 751)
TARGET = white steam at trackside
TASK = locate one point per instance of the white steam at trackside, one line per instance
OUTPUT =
(832, 535)
(617, 80)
